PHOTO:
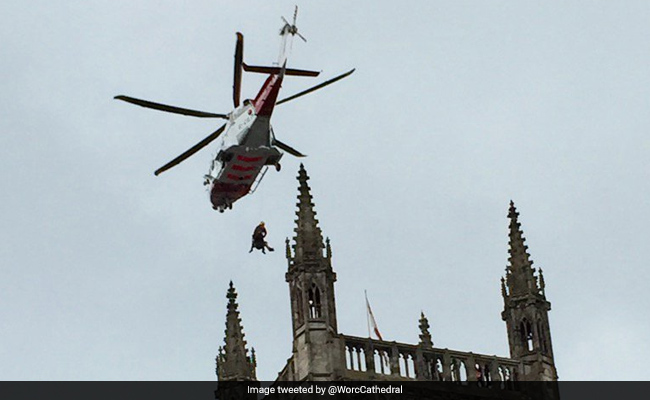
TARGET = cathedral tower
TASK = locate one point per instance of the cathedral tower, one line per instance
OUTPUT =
(311, 287)
(526, 309)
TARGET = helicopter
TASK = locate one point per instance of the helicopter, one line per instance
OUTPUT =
(248, 146)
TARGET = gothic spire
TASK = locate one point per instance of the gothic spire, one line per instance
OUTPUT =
(425, 336)
(520, 278)
(308, 242)
(525, 309)
(233, 362)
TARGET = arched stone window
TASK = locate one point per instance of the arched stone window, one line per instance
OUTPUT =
(361, 355)
(542, 336)
(299, 309)
(355, 358)
(505, 376)
(486, 373)
(382, 362)
(406, 365)
(403, 366)
(462, 371)
(314, 302)
(439, 371)
(526, 330)
(458, 370)
(349, 359)
(410, 365)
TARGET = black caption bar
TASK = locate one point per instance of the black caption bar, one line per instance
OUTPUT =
(404, 390)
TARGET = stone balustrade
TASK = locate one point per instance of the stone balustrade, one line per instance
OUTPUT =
(381, 360)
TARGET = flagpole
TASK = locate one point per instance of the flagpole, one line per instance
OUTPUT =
(365, 292)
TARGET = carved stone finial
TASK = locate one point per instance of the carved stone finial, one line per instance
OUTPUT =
(287, 249)
(425, 336)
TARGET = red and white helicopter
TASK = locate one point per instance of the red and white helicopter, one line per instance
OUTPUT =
(248, 144)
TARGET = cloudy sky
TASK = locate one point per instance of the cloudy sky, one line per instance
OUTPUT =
(456, 107)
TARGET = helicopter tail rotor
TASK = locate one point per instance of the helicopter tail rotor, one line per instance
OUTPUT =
(292, 28)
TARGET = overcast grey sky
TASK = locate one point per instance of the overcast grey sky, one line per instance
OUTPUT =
(456, 107)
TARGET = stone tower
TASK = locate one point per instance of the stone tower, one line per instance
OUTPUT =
(233, 360)
(311, 287)
(321, 353)
(526, 309)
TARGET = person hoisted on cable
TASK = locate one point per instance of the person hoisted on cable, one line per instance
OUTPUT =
(258, 241)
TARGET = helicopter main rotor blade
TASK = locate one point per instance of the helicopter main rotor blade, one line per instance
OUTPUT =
(239, 59)
(288, 148)
(304, 92)
(171, 109)
(191, 151)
